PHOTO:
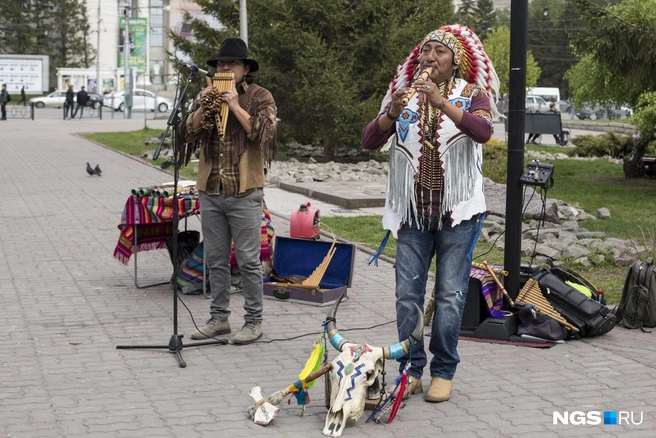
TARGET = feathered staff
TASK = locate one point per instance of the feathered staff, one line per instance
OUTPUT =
(264, 409)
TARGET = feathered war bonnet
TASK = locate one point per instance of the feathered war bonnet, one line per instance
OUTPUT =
(468, 54)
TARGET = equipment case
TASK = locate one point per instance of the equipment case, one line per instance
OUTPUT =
(301, 257)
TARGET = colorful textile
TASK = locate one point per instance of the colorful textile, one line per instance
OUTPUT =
(491, 292)
(153, 216)
(190, 276)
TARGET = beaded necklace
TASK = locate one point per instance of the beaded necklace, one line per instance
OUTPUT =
(430, 173)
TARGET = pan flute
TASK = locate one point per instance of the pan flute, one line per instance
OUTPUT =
(313, 281)
(222, 82)
(532, 294)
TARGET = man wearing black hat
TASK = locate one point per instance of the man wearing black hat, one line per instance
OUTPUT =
(230, 181)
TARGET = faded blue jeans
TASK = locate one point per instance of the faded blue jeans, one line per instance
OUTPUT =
(225, 219)
(453, 247)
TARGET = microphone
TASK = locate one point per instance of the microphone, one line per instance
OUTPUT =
(195, 68)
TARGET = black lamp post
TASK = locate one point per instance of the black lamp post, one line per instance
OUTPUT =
(516, 115)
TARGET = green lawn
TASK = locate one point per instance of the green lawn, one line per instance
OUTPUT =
(590, 184)
(132, 143)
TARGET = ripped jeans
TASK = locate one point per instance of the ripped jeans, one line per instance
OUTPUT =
(453, 247)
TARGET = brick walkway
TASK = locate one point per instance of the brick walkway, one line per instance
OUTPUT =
(66, 304)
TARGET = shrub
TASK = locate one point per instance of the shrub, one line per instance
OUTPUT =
(495, 161)
(608, 143)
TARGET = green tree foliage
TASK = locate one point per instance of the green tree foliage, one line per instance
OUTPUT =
(549, 22)
(484, 17)
(501, 17)
(465, 13)
(328, 64)
(619, 60)
(58, 28)
(497, 46)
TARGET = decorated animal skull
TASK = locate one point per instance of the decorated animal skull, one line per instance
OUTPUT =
(355, 369)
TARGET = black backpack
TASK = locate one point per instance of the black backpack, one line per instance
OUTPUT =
(8, 97)
(637, 308)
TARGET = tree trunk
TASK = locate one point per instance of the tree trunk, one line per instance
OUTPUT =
(633, 166)
(328, 151)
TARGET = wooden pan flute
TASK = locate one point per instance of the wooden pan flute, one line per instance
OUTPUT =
(532, 294)
(312, 282)
(223, 82)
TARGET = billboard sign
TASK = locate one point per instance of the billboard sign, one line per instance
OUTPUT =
(138, 29)
(18, 73)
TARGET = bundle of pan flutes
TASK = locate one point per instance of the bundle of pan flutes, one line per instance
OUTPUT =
(215, 111)
(211, 106)
(532, 294)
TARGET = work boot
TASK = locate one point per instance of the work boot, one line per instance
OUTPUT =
(213, 327)
(439, 391)
(250, 331)
(414, 386)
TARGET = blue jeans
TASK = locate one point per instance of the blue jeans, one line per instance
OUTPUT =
(79, 107)
(453, 247)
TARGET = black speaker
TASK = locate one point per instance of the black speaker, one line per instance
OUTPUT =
(475, 310)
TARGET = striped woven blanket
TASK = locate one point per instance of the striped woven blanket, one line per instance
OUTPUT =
(491, 292)
(153, 216)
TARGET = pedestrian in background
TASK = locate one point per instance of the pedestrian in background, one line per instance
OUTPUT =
(70, 101)
(82, 98)
(22, 99)
(4, 98)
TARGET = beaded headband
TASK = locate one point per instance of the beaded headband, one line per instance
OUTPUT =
(448, 40)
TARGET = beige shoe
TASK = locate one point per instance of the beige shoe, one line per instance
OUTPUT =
(439, 391)
(250, 331)
(414, 386)
(213, 327)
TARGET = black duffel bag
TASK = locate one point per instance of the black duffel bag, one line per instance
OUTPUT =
(590, 317)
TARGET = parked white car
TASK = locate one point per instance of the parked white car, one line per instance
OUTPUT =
(536, 104)
(56, 99)
(141, 100)
(53, 100)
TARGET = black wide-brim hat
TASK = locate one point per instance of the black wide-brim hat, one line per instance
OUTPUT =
(234, 48)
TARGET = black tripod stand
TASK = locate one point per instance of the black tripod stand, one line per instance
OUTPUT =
(175, 343)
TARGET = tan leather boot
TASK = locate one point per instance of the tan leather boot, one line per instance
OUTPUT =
(439, 391)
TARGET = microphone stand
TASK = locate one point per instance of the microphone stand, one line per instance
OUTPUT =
(175, 342)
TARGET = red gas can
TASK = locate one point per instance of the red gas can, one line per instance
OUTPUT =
(305, 222)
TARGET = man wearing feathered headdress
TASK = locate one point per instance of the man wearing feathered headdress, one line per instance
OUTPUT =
(434, 119)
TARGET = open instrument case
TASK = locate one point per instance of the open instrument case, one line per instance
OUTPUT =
(329, 264)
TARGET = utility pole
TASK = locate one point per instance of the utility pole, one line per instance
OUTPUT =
(243, 21)
(98, 91)
(127, 76)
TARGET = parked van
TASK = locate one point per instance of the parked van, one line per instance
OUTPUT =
(549, 94)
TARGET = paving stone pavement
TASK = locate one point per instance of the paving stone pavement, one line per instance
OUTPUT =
(67, 303)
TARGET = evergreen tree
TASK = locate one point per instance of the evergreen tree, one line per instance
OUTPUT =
(328, 64)
(57, 28)
(484, 17)
(465, 13)
(549, 22)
